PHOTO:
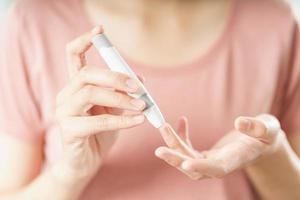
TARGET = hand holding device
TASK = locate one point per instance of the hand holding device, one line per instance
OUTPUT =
(116, 63)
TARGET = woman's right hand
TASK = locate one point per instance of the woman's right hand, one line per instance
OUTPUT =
(89, 112)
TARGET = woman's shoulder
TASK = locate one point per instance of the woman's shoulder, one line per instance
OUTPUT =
(38, 26)
(265, 24)
(39, 12)
(266, 14)
(35, 20)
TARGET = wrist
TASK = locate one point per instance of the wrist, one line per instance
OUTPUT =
(280, 150)
(69, 178)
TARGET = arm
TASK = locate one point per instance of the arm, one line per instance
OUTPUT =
(89, 115)
(18, 183)
(277, 176)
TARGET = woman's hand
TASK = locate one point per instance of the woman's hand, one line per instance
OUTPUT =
(252, 138)
(89, 111)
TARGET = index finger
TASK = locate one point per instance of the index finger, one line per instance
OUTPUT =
(76, 49)
(173, 141)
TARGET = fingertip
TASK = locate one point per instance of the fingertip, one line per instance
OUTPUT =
(186, 165)
(160, 151)
(251, 126)
(156, 153)
(97, 30)
(184, 118)
(270, 123)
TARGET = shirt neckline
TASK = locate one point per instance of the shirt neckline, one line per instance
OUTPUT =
(194, 64)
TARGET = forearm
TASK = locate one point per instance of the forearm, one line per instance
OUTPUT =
(277, 176)
(49, 185)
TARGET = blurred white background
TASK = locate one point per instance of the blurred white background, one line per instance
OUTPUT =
(296, 6)
(5, 4)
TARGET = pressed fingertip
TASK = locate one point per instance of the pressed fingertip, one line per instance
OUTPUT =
(183, 118)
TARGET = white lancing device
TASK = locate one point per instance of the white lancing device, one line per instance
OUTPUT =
(116, 63)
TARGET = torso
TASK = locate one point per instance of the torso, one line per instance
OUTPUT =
(211, 88)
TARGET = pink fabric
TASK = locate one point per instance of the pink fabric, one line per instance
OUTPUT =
(253, 68)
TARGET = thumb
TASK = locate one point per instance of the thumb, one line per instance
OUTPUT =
(263, 127)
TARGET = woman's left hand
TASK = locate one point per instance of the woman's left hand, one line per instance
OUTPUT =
(251, 139)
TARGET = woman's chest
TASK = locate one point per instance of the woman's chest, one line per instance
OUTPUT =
(211, 95)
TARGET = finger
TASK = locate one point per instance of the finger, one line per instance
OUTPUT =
(171, 156)
(174, 141)
(271, 123)
(175, 159)
(141, 78)
(91, 125)
(91, 95)
(183, 130)
(241, 151)
(75, 50)
(206, 167)
(263, 127)
(99, 77)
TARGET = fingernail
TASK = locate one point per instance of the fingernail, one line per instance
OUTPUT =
(96, 29)
(245, 125)
(166, 128)
(139, 119)
(132, 85)
(138, 104)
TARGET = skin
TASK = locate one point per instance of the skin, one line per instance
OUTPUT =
(88, 130)
(251, 145)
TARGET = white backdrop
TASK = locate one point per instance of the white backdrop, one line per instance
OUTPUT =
(4, 5)
(296, 6)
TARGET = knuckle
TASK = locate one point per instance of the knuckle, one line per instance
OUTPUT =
(118, 80)
(58, 115)
(174, 162)
(87, 92)
(70, 47)
(221, 172)
(222, 169)
(118, 99)
(58, 99)
(195, 176)
(105, 122)
(81, 39)
(83, 72)
(124, 121)
(219, 175)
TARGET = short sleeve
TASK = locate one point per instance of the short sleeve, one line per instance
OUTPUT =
(290, 111)
(19, 110)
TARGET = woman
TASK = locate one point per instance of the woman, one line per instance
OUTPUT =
(209, 60)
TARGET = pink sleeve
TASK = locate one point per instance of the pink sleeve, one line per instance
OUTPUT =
(290, 110)
(19, 111)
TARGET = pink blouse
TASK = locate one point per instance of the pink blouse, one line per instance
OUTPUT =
(252, 68)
